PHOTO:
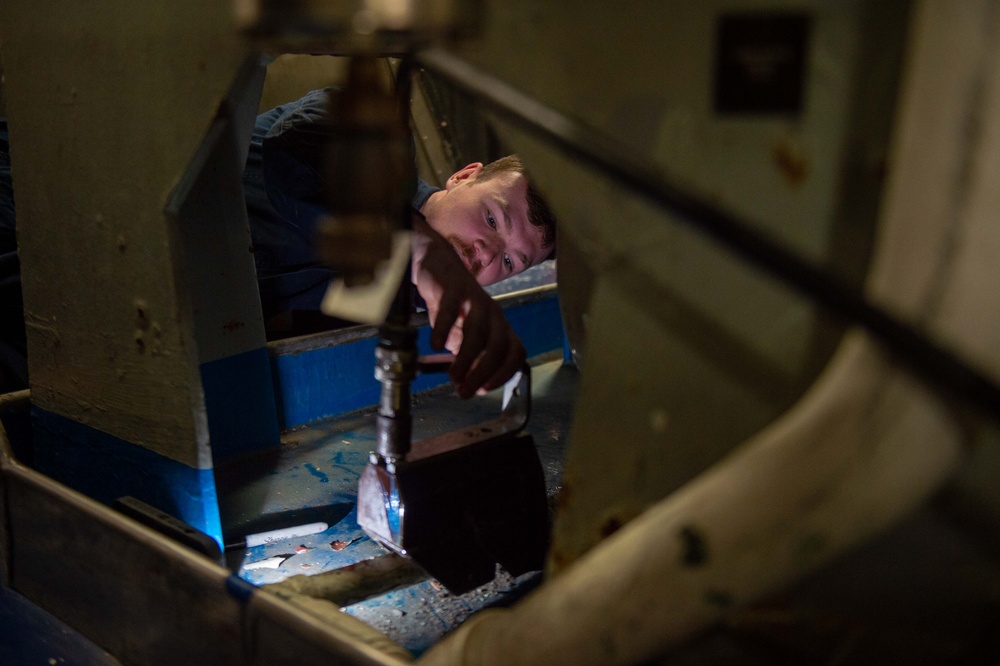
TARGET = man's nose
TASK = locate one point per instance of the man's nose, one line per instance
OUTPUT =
(486, 250)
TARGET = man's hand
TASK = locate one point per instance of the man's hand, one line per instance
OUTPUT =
(464, 318)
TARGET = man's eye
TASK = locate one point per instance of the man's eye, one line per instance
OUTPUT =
(491, 221)
(508, 263)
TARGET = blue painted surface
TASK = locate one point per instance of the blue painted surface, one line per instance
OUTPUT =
(322, 476)
(326, 382)
(242, 417)
(418, 615)
(30, 635)
(538, 324)
(239, 588)
(105, 467)
(239, 399)
(415, 616)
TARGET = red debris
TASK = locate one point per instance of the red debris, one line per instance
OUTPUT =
(341, 545)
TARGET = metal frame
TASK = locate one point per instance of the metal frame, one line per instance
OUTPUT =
(939, 366)
(146, 599)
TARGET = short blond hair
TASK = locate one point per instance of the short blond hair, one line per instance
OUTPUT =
(539, 212)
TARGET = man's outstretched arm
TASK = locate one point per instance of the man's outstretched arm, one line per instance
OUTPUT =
(464, 318)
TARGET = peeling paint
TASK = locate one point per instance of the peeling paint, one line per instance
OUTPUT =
(610, 526)
(341, 545)
(792, 161)
(559, 560)
(322, 476)
(141, 321)
(695, 548)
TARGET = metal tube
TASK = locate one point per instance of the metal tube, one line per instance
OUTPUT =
(395, 368)
(396, 354)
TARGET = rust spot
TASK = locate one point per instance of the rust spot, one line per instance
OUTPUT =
(232, 325)
(564, 498)
(341, 545)
(792, 162)
(560, 560)
(610, 526)
(141, 320)
(302, 549)
(695, 549)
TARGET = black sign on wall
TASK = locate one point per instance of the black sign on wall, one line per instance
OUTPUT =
(760, 63)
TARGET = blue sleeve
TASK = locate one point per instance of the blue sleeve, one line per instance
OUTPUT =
(284, 189)
(292, 156)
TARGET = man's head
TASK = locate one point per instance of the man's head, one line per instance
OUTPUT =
(496, 221)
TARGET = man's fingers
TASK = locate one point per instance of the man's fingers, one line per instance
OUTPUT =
(464, 318)
(454, 340)
(513, 362)
(497, 370)
(447, 315)
(485, 365)
(476, 333)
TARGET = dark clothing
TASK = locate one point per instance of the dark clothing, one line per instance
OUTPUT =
(284, 192)
(283, 186)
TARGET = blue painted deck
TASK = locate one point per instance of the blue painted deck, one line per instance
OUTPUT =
(326, 395)
(319, 466)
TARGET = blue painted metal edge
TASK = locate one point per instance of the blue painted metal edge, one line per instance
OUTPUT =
(105, 467)
(31, 635)
(329, 381)
(240, 403)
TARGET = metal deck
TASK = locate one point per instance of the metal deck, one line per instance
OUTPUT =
(313, 477)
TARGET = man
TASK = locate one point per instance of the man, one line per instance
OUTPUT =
(489, 216)
(487, 224)
(496, 225)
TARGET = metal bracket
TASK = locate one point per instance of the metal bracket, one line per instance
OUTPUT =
(455, 502)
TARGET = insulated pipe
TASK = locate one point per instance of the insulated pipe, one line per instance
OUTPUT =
(864, 447)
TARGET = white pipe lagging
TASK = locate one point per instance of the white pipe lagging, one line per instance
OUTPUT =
(866, 444)
(864, 447)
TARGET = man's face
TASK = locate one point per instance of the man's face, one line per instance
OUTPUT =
(486, 221)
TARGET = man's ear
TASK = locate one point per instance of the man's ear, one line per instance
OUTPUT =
(469, 172)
